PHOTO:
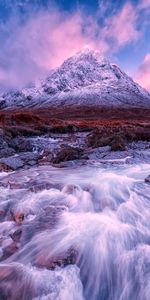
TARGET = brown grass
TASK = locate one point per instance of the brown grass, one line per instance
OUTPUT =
(41, 121)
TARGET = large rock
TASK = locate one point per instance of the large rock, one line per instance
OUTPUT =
(21, 144)
(61, 260)
(118, 143)
(107, 136)
(5, 138)
(46, 157)
(29, 158)
(96, 139)
(97, 153)
(67, 153)
(12, 162)
(6, 151)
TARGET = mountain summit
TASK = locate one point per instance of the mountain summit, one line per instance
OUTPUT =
(87, 78)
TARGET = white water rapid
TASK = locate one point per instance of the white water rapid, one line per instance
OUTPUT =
(87, 237)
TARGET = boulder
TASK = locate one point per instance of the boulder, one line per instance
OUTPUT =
(12, 162)
(21, 144)
(44, 259)
(102, 138)
(5, 138)
(46, 157)
(96, 139)
(28, 156)
(6, 151)
(118, 143)
(67, 153)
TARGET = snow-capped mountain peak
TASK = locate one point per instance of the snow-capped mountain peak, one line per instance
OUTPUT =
(87, 57)
(85, 68)
(86, 78)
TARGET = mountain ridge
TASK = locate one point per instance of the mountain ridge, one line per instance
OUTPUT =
(86, 79)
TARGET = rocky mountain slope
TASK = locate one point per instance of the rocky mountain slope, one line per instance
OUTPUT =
(86, 79)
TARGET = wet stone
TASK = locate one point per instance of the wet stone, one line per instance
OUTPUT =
(68, 153)
(6, 152)
(2, 214)
(18, 217)
(51, 262)
(29, 156)
(4, 208)
(21, 144)
(9, 247)
(47, 220)
(12, 162)
(16, 235)
(46, 157)
(35, 187)
(15, 283)
(4, 167)
(32, 162)
(147, 179)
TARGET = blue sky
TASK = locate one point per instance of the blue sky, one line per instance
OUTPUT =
(32, 36)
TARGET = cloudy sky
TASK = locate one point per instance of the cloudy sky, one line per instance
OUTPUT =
(38, 35)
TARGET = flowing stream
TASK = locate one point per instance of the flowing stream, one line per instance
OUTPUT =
(85, 237)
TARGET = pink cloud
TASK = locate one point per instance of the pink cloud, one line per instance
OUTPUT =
(144, 4)
(122, 27)
(46, 39)
(143, 74)
(44, 42)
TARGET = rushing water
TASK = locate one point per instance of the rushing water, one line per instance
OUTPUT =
(100, 215)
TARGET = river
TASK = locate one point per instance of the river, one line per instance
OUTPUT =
(85, 237)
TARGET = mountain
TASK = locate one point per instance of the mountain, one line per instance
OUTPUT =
(87, 79)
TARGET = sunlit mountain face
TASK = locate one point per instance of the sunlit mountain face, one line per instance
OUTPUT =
(74, 150)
